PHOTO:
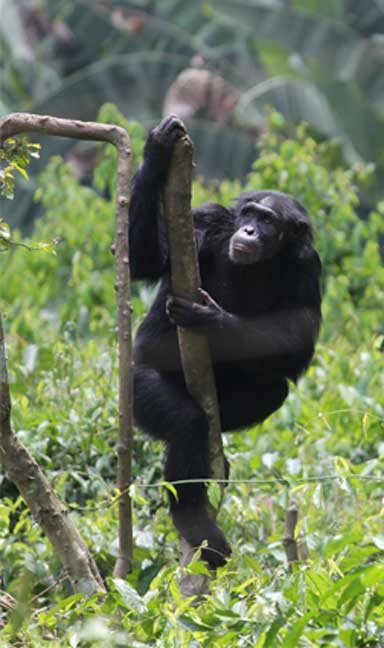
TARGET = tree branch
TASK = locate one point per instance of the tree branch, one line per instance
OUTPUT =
(194, 349)
(22, 123)
(289, 539)
(45, 506)
(295, 547)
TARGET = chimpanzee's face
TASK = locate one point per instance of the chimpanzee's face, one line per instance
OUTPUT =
(259, 234)
(266, 222)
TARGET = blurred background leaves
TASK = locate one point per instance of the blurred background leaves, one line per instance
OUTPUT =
(216, 63)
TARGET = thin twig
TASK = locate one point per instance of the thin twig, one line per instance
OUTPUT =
(289, 539)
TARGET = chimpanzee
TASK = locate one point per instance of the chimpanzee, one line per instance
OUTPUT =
(260, 311)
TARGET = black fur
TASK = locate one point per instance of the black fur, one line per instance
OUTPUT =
(260, 309)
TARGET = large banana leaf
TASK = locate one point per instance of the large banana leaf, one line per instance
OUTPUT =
(326, 107)
(340, 63)
(324, 41)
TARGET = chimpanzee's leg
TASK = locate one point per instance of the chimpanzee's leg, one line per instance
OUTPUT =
(165, 410)
(249, 400)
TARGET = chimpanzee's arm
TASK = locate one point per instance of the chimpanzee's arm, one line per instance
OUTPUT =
(147, 232)
(232, 337)
(291, 327)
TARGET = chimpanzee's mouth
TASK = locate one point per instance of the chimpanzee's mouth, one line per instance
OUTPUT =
(243, 253)
(242, 247)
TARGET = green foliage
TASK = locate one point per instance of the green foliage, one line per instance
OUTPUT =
(80, 221)
(324, 448)
(80, 277)
(15, 155)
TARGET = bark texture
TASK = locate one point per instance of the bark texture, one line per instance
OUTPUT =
(194, 349)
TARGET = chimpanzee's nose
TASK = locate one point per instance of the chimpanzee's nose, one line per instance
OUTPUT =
(248, 229)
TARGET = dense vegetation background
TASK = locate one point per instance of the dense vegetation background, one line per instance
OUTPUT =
(324, 448)
(320, 62)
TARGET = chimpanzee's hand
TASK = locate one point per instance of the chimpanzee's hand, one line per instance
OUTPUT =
(160, 143)
(188, 314)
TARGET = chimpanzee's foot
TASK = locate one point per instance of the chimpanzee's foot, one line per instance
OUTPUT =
(196, 525)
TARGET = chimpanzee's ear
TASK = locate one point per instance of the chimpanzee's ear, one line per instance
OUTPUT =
(301, 227)
(300, 222)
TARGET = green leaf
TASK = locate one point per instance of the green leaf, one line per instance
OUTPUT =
(352, 590)
(291, 638)
(271, 634)
(194, 626)
(129, 595)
